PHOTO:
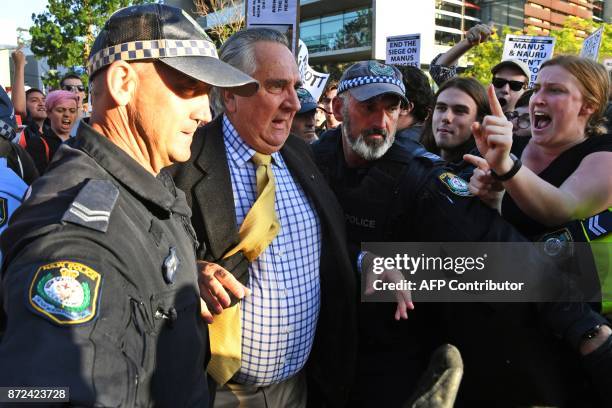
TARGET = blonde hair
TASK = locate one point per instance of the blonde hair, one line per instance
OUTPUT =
(595, 87)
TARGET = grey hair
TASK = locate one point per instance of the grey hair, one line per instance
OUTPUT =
(239, 52)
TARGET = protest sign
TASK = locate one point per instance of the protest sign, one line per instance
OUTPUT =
(313, 81)
(590, 47)
(281, 15)
(404, 50)
(531, 50)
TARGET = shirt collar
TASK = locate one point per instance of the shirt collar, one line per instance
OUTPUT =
(238, 150)
(158, 190)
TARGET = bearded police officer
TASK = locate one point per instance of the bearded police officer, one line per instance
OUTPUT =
(99, 283)
(403, 193)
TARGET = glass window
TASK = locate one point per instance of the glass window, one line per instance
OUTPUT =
(448, 21)
(338, 31)
(444, 38)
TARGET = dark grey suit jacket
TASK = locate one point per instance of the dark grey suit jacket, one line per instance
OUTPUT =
(205, 178)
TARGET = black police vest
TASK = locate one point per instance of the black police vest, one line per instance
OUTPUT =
(374, 199)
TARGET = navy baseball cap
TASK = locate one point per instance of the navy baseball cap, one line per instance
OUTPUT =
(367, 79)
(307, 102)
(169, 35)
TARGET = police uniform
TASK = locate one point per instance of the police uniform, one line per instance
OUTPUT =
(12, 190)
(411, 195)
(99, 284)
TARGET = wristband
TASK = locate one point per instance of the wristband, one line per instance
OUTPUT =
(515, 168)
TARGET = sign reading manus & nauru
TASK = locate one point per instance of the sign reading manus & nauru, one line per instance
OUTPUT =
(404, 50)
(531, 50)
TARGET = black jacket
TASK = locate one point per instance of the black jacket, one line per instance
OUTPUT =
(206, 180)
(99, 284)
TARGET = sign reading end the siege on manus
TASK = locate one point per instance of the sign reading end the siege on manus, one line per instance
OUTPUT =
(591, 44)
(533, 51)
(404, 50)
(281, 15)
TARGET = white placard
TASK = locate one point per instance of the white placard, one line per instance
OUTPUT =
(313, 81)
(531, 50)
(279, 14)
(404, 50)
(590, 47)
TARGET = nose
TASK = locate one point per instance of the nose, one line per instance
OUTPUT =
(291, 102)
(202, 113)
(377, 119)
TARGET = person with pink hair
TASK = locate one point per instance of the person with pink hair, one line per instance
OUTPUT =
(62, 108)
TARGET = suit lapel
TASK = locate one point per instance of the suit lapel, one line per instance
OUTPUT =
(213, 193)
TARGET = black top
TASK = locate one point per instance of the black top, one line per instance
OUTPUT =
(556, 173)
(41, 146)
(97, 222)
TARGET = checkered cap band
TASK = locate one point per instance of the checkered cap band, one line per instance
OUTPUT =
(6, 130)
(139, 50)
(365, 80)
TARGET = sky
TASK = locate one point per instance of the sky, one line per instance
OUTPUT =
(14, 14)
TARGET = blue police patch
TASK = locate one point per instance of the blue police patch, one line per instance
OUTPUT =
(66, 292)
(455, 184)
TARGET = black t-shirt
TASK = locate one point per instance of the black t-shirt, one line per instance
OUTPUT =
(556, 173)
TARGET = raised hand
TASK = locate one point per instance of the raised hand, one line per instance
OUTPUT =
(478, 34)
(494, 136)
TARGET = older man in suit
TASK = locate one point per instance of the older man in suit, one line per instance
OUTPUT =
(262, 211)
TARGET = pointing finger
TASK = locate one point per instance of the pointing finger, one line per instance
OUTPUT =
(496, 108)
(477, 161)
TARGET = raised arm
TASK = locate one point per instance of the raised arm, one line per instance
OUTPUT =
(586, 192)
(18, 96)
(443, 67)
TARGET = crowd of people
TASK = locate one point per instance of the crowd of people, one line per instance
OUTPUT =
(194, 236)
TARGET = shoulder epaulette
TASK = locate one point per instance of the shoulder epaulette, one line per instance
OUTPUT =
(598, 226)
(93, 205)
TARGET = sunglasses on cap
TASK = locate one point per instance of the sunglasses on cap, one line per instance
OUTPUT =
(73, 88)
(514, 85)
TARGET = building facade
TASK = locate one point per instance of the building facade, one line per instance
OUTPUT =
(541, 16)
(354, 30)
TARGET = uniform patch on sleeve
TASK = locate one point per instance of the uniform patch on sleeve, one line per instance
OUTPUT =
(3, 212)
(65, 292)
(455, 184)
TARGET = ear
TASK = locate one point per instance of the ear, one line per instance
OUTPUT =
(229, 100)
(586, 110)
(121, 82)
(337, 104)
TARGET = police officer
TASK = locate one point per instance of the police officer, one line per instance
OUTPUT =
(403, 193)
(99, 284)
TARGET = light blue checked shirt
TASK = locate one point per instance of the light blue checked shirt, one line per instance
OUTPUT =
(279, 318)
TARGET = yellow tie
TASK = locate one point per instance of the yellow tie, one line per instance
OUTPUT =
(257, 231)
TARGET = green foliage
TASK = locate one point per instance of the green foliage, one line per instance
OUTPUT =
(65, 31)
(569, 40)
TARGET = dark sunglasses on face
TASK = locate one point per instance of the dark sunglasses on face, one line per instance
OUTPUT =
(73, 88)
(514, 85)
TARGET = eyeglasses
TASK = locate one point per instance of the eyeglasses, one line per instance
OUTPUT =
(73, 88)
(522, 121)
(514, 85)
